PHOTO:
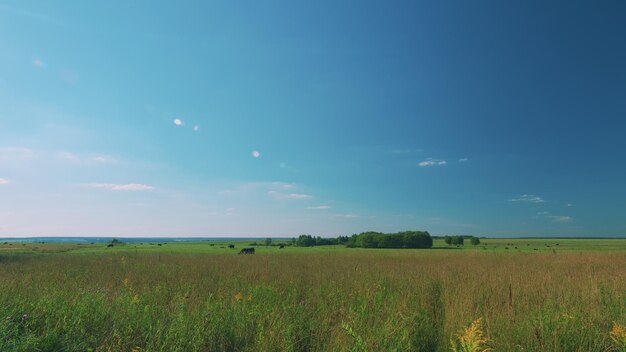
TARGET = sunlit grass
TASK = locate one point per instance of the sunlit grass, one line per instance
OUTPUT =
(298, 300)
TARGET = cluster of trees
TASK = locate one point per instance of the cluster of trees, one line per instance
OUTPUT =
(310, 241)
(460, 240)
(406, 239)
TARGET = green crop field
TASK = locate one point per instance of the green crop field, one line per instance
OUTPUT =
(523, 294)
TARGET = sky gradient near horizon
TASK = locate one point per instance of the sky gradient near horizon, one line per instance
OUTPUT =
(210, 118)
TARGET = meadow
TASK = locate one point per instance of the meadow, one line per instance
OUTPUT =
(524, 294)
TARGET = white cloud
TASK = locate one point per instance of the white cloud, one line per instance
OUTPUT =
(103, 159)
(560, 218)
(121, 187)
(196, 128)
(319, 207)
(279, 195)
(346, 216)
(256, 153)
(432, 162)
(4, 181)
(569, 205)
(543, 213)
(15, 152)
(67, 156)
(299, 196)
(178, 122)
(283, 185)
(30, 14)
(528, 198)
(462, 160)
(85, 159)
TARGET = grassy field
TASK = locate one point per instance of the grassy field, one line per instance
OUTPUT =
(539, 296)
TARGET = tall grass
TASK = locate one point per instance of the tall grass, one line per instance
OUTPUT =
(357, 300)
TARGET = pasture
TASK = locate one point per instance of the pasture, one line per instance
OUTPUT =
(539, 296)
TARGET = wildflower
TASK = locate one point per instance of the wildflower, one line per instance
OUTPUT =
(135, 299)
(249, 298)
(471, 339)
(618, 336)
(24, 317)
(238, 296)
(126, 281)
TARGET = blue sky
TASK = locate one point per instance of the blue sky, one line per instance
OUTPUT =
(279, 118)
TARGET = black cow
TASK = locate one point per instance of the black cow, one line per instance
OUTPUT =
(281, 246)
(231, 246)
(246, 251)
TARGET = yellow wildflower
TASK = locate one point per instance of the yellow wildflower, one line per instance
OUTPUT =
(471, 339)
(618, 336)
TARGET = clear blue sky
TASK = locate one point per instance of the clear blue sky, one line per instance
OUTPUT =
(276, 118)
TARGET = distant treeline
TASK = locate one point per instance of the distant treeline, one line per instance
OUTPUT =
(371, 239)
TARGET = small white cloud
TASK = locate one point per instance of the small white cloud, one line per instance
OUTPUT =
(178, 122)
(283, 185)
(528, 198)
(462, 160)
(103, 159)
(319, 207)
(346, 216)
(432, 162)
(256, 153)
(4, 181)
(299, 196)
(16, 152)
(543, 213)
(121, 187)
(279, 195)
(196, 128)
(569, 205)
(560, 218)
(67, 156)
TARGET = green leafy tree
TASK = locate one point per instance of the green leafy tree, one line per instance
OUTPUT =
(305, 241)
(475, 241)
(448, 240)
(268, 241)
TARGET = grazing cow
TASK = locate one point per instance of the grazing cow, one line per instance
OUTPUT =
(231, 246)
(110, 245)
(246, 251)
(281, 246)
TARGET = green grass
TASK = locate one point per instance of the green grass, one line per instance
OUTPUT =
(197, 297)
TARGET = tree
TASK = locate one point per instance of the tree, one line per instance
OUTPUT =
(475, 241)
(457, 240)
(448, 240)
(406, 239)
(305, 241)
(268, 241)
